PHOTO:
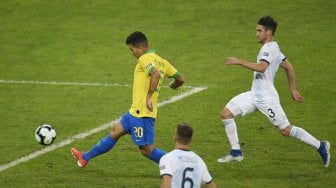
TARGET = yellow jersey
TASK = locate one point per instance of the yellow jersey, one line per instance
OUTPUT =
(141, 82)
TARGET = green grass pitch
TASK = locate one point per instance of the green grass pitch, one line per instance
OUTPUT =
(84, 42)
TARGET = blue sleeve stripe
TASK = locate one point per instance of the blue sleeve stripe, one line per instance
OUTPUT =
(168, 175)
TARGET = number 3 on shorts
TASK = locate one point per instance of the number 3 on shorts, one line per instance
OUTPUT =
(271, 113)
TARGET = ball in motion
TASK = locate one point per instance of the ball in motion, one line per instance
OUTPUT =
(45, 134)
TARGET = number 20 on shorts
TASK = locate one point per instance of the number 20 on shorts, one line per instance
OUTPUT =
(138, 132)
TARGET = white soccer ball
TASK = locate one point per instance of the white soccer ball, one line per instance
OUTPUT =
(45, 134)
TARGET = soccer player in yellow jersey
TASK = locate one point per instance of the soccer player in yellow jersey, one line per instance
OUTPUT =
(139, 120)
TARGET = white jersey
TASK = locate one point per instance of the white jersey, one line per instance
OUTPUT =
(263, 83)
(186, 168)
(263, 95)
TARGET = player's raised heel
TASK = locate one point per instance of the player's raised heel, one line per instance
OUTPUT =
(235, 155)
(79, 156)
(324, 151)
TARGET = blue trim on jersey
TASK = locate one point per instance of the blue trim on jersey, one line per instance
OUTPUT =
(209, 182)
(140, 129)
(265, 60)
(183, 149)
(168, 175)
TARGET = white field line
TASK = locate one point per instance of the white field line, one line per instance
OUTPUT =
(83, 135)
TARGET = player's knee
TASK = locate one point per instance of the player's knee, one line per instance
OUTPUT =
(145, 151)
(226, 114)
(117, 131)
(286, 131)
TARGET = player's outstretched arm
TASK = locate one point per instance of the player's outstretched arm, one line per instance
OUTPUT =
(177, 82)
(259, 67)
(290, 73)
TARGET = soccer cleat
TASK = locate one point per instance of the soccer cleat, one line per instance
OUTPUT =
(324, 151)
(235, 155)
(79, 156)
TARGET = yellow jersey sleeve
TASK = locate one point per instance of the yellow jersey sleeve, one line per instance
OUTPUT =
(147, 63)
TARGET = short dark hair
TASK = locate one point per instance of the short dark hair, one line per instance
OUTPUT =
(184, 133)
(137, 38)
(269, 23)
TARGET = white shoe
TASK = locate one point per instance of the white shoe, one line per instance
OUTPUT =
(230, 158)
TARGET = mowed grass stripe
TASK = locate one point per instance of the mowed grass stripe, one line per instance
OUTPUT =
(80, 83)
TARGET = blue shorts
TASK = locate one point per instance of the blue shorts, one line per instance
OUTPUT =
(140, 129)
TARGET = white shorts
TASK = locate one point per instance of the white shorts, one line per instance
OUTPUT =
(245, 103)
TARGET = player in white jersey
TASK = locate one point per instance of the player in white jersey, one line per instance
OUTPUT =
(183, 168)
(264, 97)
